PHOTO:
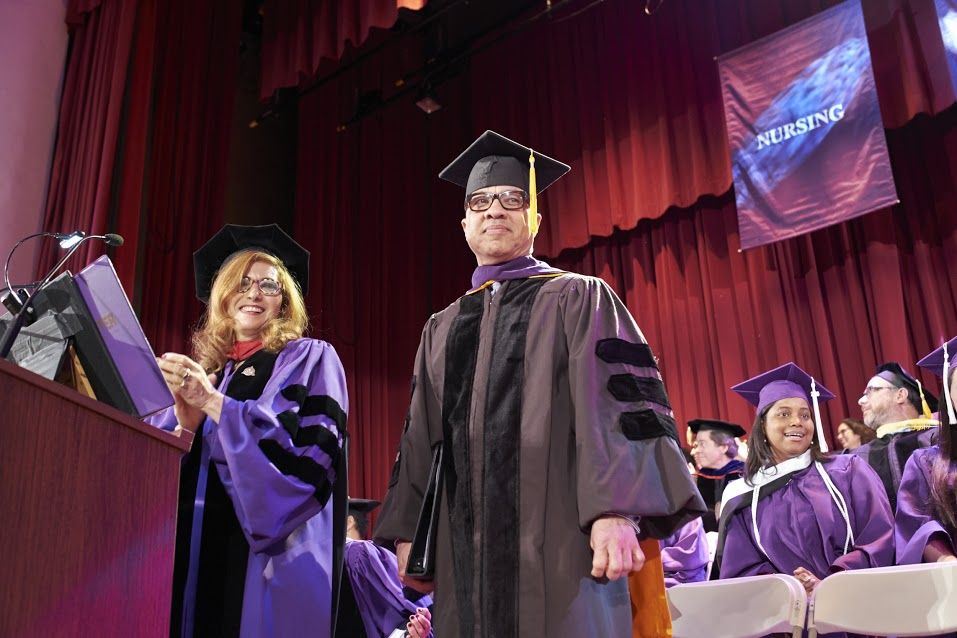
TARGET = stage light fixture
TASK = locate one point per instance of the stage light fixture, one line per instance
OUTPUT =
(427, 101)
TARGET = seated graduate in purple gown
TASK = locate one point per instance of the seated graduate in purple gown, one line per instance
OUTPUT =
(798, 511)
(926, 529)
(374, 603)
(684, 554)
(256, 536)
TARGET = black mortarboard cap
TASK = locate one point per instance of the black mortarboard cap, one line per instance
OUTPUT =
(363, 505)
(495, 160)
(232, 238)
(893, 373)
(731, 429)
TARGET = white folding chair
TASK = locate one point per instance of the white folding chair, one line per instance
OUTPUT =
(738, 607)
(907, 600)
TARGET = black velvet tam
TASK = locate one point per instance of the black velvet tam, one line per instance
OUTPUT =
(232, 238)
(363, 505)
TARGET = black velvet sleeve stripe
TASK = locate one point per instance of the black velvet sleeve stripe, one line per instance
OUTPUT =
(290, 422)
(300, 467)
(628, 387)
(310, 435)
(312, 405)
(621, 351)
(325, 405)
(296, 392)
(647, 424)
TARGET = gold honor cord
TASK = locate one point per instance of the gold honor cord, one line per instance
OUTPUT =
(549, 275)
(910, 425)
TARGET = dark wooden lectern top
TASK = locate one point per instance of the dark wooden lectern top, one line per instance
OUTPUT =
(88, 499)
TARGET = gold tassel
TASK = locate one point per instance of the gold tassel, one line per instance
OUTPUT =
(532, 195)
(923, 401)
(650, 615)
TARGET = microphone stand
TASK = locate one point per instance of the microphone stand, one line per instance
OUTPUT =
(17, 324)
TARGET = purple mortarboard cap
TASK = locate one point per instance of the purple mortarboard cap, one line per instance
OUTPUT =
(935, 360)
(935, 363)
(784, 382)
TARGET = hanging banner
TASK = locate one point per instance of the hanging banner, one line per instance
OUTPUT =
(804, 128)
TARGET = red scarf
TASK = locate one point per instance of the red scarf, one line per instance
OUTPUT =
(242, 350)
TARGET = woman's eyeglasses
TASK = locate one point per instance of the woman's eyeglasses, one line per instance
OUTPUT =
(268, 287)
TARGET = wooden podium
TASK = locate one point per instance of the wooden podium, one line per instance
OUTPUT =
(88, 500)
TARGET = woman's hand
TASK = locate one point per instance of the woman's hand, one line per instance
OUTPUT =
(192, 388)
(420, 624)
(809, 580)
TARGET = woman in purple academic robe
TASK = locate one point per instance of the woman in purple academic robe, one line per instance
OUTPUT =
(926, 529)
(373, 603)
(684, 554)
(799, 511)
(255, 535)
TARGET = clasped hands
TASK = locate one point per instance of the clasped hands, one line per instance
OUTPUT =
(808, 580)
(194, 390)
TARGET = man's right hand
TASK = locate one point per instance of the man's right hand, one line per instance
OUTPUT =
(402, 549)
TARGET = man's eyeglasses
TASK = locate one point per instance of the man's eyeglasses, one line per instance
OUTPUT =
(510, 200)
(268, 287)
(869, 390)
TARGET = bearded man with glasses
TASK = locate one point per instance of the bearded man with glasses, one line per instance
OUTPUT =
(559, 449)
(900, 410)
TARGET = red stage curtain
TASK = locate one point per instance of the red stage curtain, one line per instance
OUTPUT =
(298, 34)
(633, 102)
(388, 250)
(142, 145)
(195, 85)
(81, 180)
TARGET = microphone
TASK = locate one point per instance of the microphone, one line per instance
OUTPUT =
(111, 239)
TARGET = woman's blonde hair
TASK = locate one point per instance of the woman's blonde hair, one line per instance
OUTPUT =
(214, 338)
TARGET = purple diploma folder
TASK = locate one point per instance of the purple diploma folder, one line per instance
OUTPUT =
(123, 337)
